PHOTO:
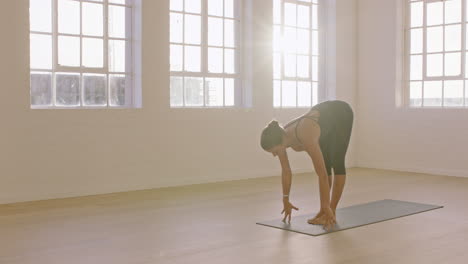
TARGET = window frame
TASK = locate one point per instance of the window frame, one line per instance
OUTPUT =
(131, 92)
(463, 76)
(238, 18)
(321, 93)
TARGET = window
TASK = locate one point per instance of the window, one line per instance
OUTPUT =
(295, 53)
(436, 53)
(81, 53)
(204, 53)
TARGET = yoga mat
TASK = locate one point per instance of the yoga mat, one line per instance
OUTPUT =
(353, 216)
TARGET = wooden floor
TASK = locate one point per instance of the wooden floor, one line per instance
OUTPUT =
(215, 223)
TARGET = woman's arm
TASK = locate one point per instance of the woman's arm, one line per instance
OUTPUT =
(286, 179)
(286, 174)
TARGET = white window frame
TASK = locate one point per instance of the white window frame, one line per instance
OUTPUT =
(204, 73)
(133, 56)
(321, 27)
(407, 56)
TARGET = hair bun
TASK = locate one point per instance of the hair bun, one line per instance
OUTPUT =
(273, 123)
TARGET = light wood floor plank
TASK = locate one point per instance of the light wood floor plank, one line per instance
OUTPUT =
(215, 223)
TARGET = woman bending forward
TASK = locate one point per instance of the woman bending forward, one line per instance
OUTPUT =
(323, 133)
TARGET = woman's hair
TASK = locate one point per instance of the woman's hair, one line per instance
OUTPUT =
(272, 135)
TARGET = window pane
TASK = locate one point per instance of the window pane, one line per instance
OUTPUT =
(117, 55)
(93, 53)
(67, 89)
(289, 93)
(290, 16)
(229, 8)
(304, 95)
(277, 11)
(434, 65)
(68, 17)
(290, 64)
(435, 39)
(177, 91)
(416, 67)
(193, 91)
(214, 91)
(229, 95)
(314, 17)
(177, 5)
(452, 64)
(314, 93)
(433, 93)
(417, 14)
(453, 93)
(93, 18)
(315, 68)
(193, 6)
(41, 89)
(215, 60)
(117, 87)
(229, 33)
(416, 94)
(453, 11)
(277, 65)
(40, 51)
(215, 7)
(303, 66)
(303, 41)
(416, 41)
(303, 16)
(277, 93)
(95, 92)
(69, 51)
(176, 28)
(453, 38)
(117, 21)
(435, 13)
(229, 61)
(40, 15)
(193, 32)
(315, 43)
(193, 58)
(176, 57)
(215, 31)
(290, 40)
(277, 45)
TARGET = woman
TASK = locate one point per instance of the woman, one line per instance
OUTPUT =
(323, 133)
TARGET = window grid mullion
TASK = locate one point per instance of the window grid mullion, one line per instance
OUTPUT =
(81, 56)
(204, 46)
(424, 64)
(54, 50)
(183, 53)
(106, 50)
(463, 50)
(443, 54)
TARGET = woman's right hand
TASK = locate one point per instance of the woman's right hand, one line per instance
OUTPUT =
(287, 209)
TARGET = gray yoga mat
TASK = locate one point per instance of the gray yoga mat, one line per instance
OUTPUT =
(354, 216)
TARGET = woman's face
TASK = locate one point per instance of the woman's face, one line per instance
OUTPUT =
(276, 150)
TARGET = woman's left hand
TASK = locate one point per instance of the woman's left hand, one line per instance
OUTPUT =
(326, 218)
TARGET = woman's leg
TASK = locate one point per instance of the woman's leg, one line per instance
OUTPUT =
(338, 187)
(342, 138)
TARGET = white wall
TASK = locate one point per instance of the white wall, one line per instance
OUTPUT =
(391, 137)
(62, 153)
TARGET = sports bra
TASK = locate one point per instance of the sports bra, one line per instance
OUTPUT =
(297, 120)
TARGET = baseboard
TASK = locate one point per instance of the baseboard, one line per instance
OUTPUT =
(433, 171)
